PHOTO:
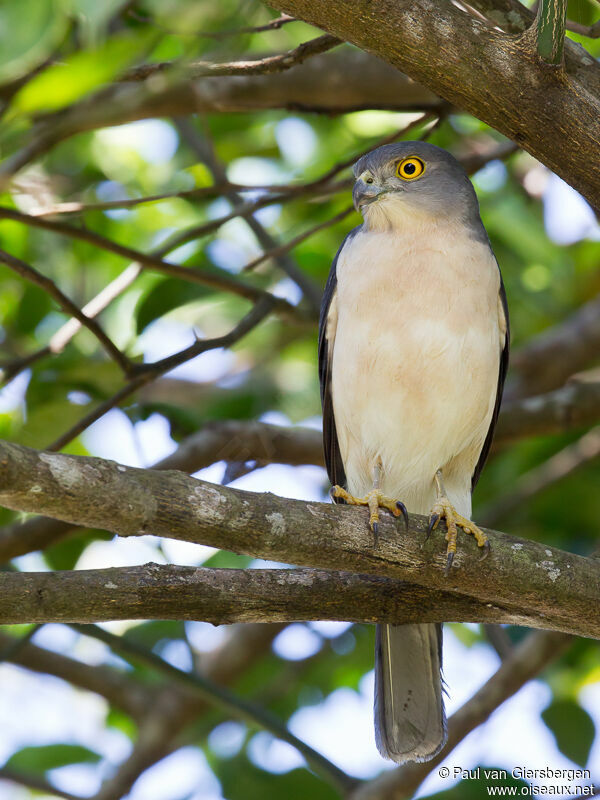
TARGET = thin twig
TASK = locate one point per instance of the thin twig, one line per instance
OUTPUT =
(218, 695)
(285, 248)
(272, 25)
(36, 278)
(215, 278)
(147, 372)
(261, 66)
(217, 189)
(205, 150)
(250, 321)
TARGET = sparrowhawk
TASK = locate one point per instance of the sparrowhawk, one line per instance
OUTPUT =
(413, 351)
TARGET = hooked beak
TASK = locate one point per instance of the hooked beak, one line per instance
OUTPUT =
(364, 193)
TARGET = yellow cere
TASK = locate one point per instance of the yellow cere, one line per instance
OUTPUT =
(410, 169)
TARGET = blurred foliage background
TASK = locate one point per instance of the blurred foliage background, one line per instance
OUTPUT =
(60, 739)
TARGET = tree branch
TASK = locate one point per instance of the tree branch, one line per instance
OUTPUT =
(225, 596)
(262, 66)
(576, 404)
(337, 82)
(216, 279)
(215, 694)
(115, 686)
(133, 502)
(67, 305)
(204, 149)
(541, 477)
(553, 114)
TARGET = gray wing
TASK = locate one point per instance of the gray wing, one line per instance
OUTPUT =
(501, 378)
(333, 457)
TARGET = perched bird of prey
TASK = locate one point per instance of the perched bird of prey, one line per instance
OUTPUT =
(413, 351)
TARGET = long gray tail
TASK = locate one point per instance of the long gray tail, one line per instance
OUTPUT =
(410, 721)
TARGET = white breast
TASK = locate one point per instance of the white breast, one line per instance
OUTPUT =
(416, 359)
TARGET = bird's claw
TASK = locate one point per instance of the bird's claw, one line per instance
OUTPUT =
(374, 500)
(402, 509)
(433, 521)
(443, 508)
(449, 560)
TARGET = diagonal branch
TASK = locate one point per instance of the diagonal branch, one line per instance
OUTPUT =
(215, 694)
(574, 405)
(547, 360)
(133, 502)
(262, 66)
(216, 279)
(553, 114)
(144, 373)
(33, 276)
(204, 149)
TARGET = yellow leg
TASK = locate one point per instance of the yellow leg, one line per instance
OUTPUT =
(375, 499)
(443, 509)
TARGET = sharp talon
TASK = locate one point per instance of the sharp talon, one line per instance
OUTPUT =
(401, 507)
(486, 550)
(449, 563)
(332, 493)
(433, 521)
(375, 529)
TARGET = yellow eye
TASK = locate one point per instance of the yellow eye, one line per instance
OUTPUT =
(410, 168)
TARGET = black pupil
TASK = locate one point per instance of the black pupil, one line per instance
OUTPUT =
(409, 169)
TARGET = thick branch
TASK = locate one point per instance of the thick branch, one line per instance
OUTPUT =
(223, 596)
(576, 404)
(133, 502)
(337, 82)
(117, 687)
(554, 114)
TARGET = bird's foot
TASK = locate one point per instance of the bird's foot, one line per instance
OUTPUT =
(443, 509)
(374, 500)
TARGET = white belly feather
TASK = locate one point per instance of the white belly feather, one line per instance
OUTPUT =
(415, 362)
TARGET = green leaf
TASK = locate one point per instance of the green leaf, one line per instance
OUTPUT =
(29, 31)
(223, 559)
(76, 75)
(164, 297)
(241, 780)
(39, 760)
(149, 634)
(65, 554)
(573, 729)
(32, 309)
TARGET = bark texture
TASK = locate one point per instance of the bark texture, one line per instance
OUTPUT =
(552, 112)
(523, 577)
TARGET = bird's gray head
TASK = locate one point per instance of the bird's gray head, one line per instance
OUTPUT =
(402, 182)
